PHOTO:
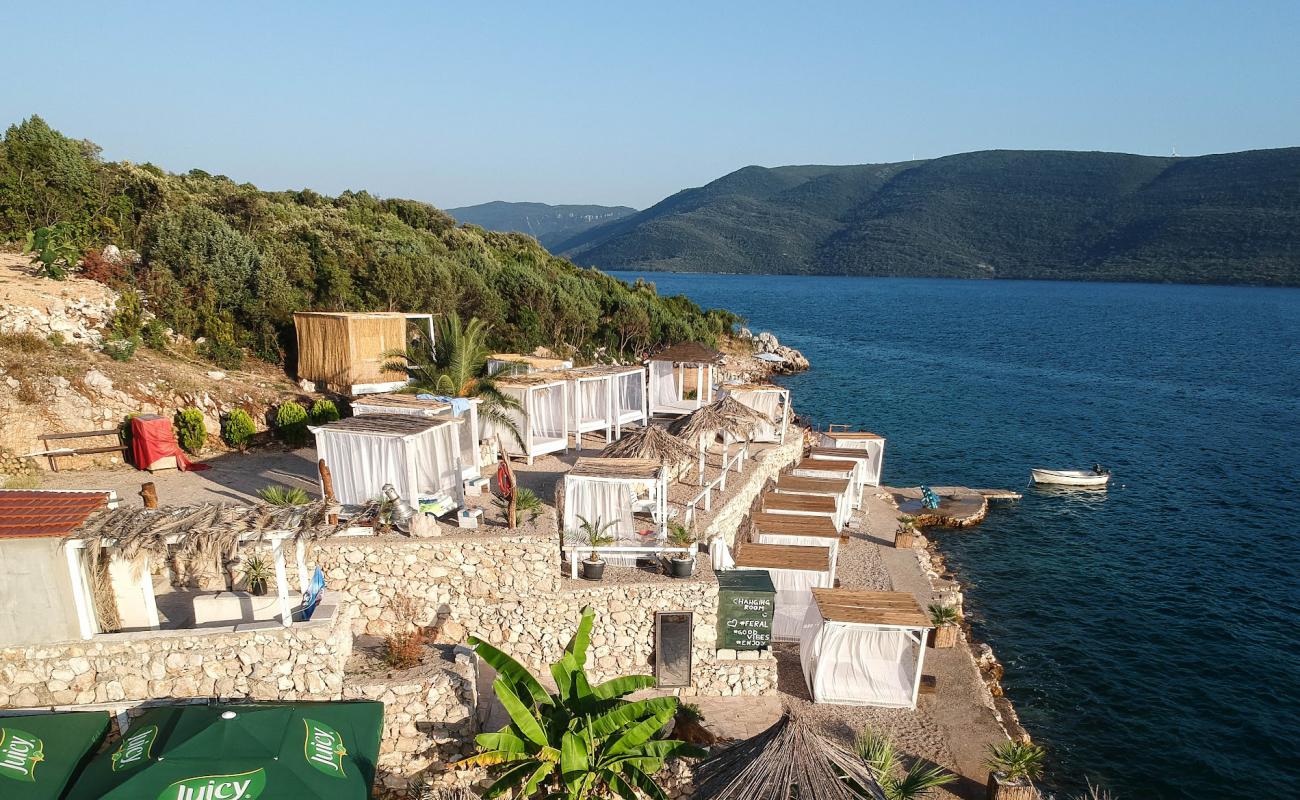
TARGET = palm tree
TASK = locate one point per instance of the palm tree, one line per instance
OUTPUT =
(457, 367)
(878, 752)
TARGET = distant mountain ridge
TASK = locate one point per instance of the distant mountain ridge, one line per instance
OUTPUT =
(546, 223)
(1231, 218)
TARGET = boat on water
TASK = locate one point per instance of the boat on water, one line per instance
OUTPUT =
(1070, 477)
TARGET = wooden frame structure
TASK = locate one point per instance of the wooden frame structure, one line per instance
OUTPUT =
(538, 394)
(358, 475)
(866, 448)
(810, 505)
(768, 528)
(826, 467)
(468, 431)
(609, 383)
(346, 351)
(631, 472)
(747, 392)
(887, 612)
(672, 364)
(839, 488)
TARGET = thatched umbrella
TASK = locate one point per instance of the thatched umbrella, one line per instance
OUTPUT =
(653, 443)
(727, 417)
(788, 761)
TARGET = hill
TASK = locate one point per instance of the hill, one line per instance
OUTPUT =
(226, 264)
(1232, 218)
(546, 223)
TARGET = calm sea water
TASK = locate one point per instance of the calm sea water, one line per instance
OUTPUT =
(1149, 632)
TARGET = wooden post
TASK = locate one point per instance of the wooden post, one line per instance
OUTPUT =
(149, 494)
(327, 489)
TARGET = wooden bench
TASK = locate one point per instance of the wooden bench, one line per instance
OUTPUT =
(53, 455)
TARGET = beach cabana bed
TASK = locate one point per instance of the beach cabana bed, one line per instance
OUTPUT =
(543, 416)
(838, 468)
(795, 572)
(605, 398)
(632, 493)
(864, 648)
(872, 444)
(805, 505)
(465, 408)
(769, 400)
(347, 351)
(418, 456)
(768, 528)
(839, 488)
(681, 379)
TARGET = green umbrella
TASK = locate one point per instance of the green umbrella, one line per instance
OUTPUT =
(293, 751)
(40, 753)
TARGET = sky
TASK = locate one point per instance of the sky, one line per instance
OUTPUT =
(625, 103)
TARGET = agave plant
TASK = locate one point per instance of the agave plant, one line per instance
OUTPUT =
(457, 367)
(1016, 760)
(284, 496)
(877, 751)
(581, 743)
(526, 502)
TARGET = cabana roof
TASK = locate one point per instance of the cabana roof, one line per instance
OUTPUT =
(753, 387)
(894, 609)
(386, 424)
(652, 443)
(783, 556)
(536, 362)
(688, 353)
(830, 453)
(724, 416)
(787, 761)
(798, 483)
(800, 503)
(601, 371)
(532, 380)
(399, 400)
(629, 468)
(135, 529)
(830, 464)
(852, 435)
(794, 525)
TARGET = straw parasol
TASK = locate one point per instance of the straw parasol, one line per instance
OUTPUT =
(727, 417)
(788, 761)
(653, 443)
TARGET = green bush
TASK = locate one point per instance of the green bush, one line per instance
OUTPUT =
(128, 320)
(154, 334)
(191, 432)
(120, 349)
(291, 423)
(237, 429)
(323, 411)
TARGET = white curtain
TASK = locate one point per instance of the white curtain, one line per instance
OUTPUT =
(631, 393)
(664, 384)
(600, 503)
(793, 596)
(546, 412)
(767, 403)
(360, 465)
(857, 665)
(592, 401)
(720, 554)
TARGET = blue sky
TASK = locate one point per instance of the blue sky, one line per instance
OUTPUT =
(623, 103)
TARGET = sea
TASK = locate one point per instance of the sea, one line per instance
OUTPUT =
(1150, 631)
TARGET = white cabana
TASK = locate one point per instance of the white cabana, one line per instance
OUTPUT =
(839, 488)
(805, 505)
(826, 467)
(872, 444)
(863, 648)
(767, 399)
(520, 364)
(428, 406)
(543, 422)
(681, 379)
(632, 493)
(795, 572)
(605, 398)
(800, 531)
(418, 456)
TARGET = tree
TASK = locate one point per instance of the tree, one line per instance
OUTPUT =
(581, 743)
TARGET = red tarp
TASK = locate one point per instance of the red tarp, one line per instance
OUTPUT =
(152, 440)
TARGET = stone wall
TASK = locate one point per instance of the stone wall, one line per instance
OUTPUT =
(726, 520)
(259, 661)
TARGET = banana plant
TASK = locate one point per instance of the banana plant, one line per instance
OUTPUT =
(580, 742)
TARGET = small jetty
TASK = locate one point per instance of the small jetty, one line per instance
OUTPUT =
(959, 507)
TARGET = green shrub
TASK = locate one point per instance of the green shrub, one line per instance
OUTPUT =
(128, 320)
(237, 429)
(283, 495)
(291, 423)
(323, 411)
(120, 349)
(154, 334)
(191, 432)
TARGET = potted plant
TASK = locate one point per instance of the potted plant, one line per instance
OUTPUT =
(593, 567)
(257, 574)
(945, 619)
(905, 535)
(1013, 766)
(681, 565)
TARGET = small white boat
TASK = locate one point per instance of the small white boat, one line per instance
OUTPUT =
(1070, 477)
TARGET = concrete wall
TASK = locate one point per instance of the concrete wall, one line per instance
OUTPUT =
(36, 602)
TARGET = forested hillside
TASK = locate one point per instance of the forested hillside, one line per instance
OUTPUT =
(228, 262)
(1231, 218)
(547, 223)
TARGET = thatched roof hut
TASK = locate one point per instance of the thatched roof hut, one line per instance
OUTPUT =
(727, 418)
(651, 442)
(788, 761)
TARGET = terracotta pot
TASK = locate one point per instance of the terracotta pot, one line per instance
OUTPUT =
(593, 570)
(998, 789)
(945, 636)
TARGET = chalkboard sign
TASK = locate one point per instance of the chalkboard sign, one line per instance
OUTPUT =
(746, 601)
